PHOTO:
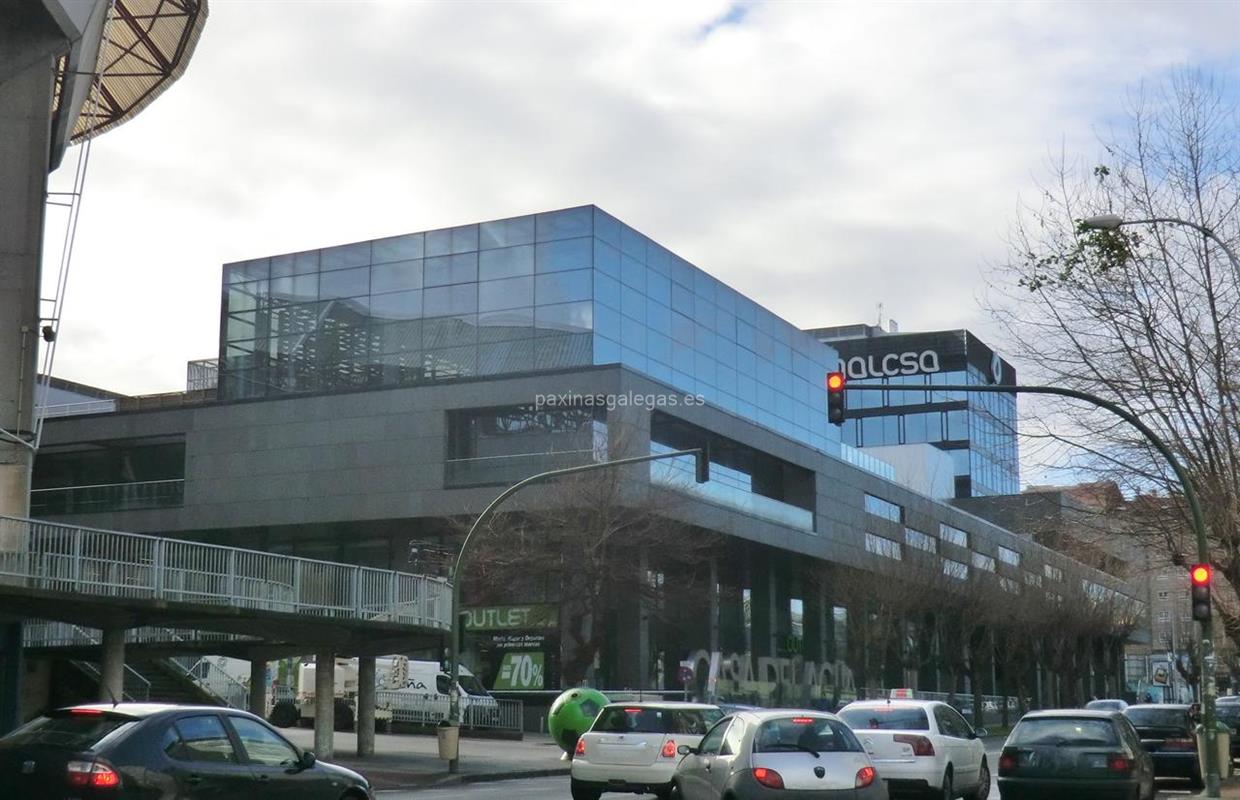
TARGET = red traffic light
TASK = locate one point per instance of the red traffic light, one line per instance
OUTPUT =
(835, 381)
(1200, 574)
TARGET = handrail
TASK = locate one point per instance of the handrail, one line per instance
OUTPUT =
(108, 486)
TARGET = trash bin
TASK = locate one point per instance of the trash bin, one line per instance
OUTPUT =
(1222, 740)
(449, 740)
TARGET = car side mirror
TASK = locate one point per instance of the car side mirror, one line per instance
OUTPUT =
(307, 759)
(979, 733)
(685, 750)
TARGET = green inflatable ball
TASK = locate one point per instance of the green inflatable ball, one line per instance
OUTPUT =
(572, 714)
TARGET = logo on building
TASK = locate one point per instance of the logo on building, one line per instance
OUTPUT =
(891, 364)
(996, 368)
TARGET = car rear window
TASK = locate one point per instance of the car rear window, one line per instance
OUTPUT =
(1158, 717)
(634, 719)
(1229, 713)
(1064, 731)
(791, 734)
(892, 718)
(695, 721)
(70, 731)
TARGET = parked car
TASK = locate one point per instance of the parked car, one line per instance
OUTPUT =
(632, 747)
(1106, 705)
(921, 747)
(778, 754)
(1075, 753)
(1166, 732)
(1229, 715)
(143, 750)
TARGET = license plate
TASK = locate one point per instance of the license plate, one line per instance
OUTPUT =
(1097, 760)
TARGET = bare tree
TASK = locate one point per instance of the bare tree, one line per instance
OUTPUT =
(1145, 315)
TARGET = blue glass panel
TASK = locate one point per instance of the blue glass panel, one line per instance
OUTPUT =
(633, 273)
(345, 283)
(746, 336)
(633, 304)
(438, 243)
(607, 227)
(506, 293)
(449, 331)
(465, 239)
(506, 232)
(659, 317)
(506, 325)
(632, 243)
(746, 390)
(683, 381)
(499, 358)
(507, 262)
(725, 351)
(659, 346)
(682, 299)
(606, 351)
(682, 357)
(562, 287)
(782, 355)
(704, 339)
(565, 350)
(704, 286)
(458, 299)
(294, 289)
(658, 287)
(565, 224)
(566, 254)
(725, 298)
(281, 266)
(726, 379)
(659, 259)
(633, 358)
(607, 321)
(451, 362)
(659, 371)
(397, 248)
(345, 255)
(460, 268)
(746, 311)
(632, 334)
(704, 313)
(746, 364)
(571, 317)
(306, 263)
(397, 337)
(682, 272)
(396, 276)
(704, 368)
(606, 290)
(607, 259)
(682, 329)
(725, 324)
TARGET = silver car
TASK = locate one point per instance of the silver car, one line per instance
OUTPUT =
(806, 755)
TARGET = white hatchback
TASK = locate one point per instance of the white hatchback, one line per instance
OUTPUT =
(921, 746)
(632, 747)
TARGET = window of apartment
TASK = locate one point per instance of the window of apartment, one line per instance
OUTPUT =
(1033, 579)
(983, 561)
(1009, 585)
(954, 535)
(1164, 616)
(1164, 594)
(955, 569)
(883, 508)
(1054, 598)
(500, 445)
(921, 541)
(1052, 572)
(882, 546)
(1008, 556)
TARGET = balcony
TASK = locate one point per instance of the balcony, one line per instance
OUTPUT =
(507, 470)
(107, 497)
(727, 488)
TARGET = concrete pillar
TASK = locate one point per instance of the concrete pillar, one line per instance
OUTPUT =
(324, 704)
(366, 706)
(258, 686)
(644, 656)
(11, 669)
(112, 666)
(714, 605)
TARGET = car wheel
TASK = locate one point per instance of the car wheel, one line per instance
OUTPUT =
(983, 782)
(582, 793)
(949, 790)
(285, 714)
(666, 792)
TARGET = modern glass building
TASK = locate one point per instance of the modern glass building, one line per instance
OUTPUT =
(543, 292)
(978, 430)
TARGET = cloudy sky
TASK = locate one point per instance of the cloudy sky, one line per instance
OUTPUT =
(820, 157)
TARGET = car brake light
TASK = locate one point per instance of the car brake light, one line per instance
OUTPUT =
(86, 773)
(632, 711)
(865, 776)
(1007, 763)
(1179, 744)
(920, 744)
(94, 712)
(1118, 762)
(669, 749)
(802, 720)
(768, 778)
(581, 748)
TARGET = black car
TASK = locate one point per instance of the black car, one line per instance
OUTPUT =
(1075, 753)
(1229, 715)
(1166, 731)
(139, 750)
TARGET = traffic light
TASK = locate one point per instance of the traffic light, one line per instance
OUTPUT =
(1200, 575)
(702, 467)
(835, 398)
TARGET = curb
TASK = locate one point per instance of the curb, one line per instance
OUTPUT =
(442, 779)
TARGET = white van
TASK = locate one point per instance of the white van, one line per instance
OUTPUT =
(418, 691)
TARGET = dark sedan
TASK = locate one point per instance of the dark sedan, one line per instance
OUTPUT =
(1075, 753)
(138, 751)
(1166, 731)
(1229, 715)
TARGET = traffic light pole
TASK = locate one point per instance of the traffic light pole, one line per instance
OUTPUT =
(702, 474)
(1208, 688)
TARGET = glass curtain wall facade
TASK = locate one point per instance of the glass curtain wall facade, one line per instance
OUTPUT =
(543, 292)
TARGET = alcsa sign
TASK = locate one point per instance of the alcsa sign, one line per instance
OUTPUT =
(891, 364)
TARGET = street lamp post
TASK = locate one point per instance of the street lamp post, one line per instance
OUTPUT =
(1209, 690)
(454, 665)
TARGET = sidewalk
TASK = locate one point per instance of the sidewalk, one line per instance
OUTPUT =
(411, 761)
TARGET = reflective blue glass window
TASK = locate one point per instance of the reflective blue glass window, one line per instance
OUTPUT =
(441, 332)
(682, 329)
(957, 424)
(562, 287)
(566, 224)
(564, 350)
(460, 268)
(282, 266)
(499, 358)
(682, 272)
(396, 276)
(658, 287)
(633, 273)
(506, 262)
(633, 304)
(397, 337)
(682, 359)
(607, 228)
(397, 248)
(464, 238)
(682, 299)
(606, 351)
(747, 336)
(506, 232)
(566, 254)
(726, 379)
(659, 346)
(659, 259)
(345, 255)
(396, 305)
(506, 293)
(570, 317)
(451, 362)
(704, 339)
(607, 321)
(658, 317)
(607, 259)
(511, 323)
(457, 299)
(704, 368)
(632, 243)
(438, 243)
(632, 333)
(345, 283)
(633, 358)
(606, 290)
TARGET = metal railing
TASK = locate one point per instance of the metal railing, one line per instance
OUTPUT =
(47, 633)
(85, 561)
(108, 497)
(417, 709)
(73, 409)
(213, 680)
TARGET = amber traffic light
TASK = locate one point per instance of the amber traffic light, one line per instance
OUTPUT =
(835, 398)
(1200, 575)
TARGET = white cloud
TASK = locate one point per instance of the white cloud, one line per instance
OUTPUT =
(819, 157)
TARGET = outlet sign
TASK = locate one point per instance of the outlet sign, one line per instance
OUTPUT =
(512, 618)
